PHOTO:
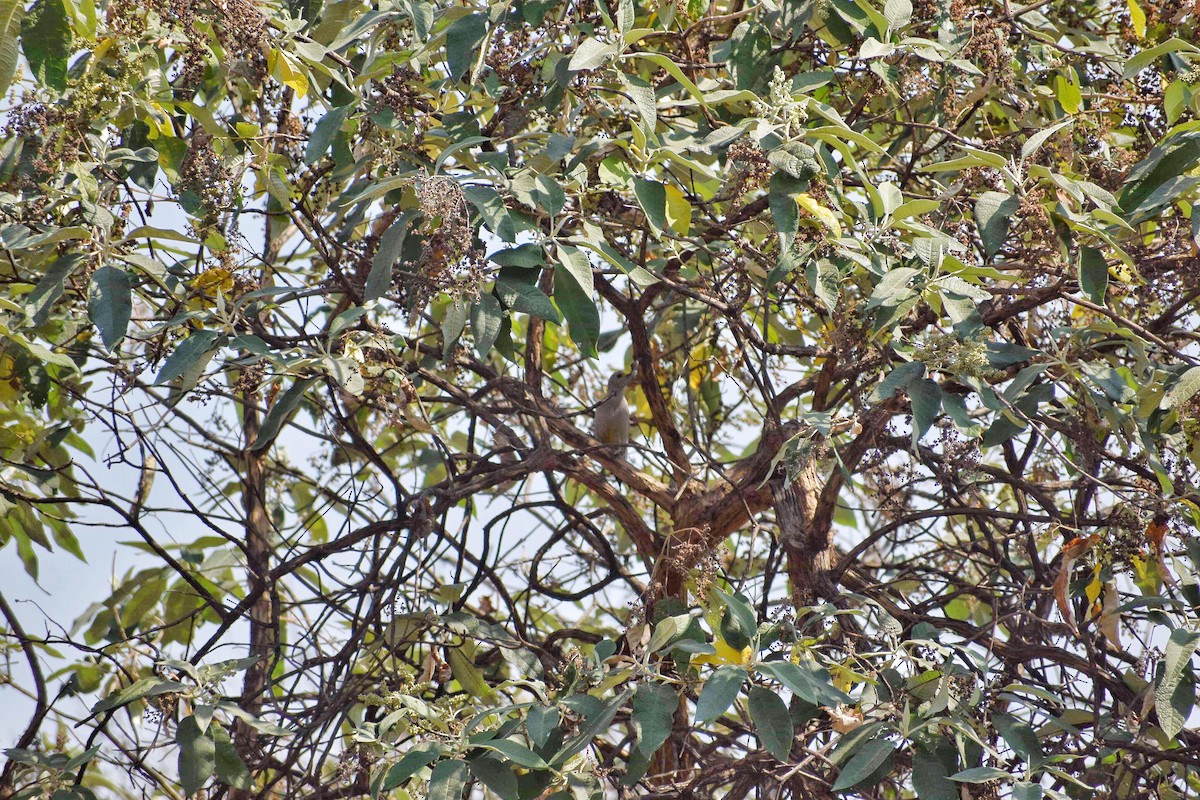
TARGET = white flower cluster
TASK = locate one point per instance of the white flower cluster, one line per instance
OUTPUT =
(781, 108)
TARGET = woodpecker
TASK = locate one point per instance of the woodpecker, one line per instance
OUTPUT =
(611, 423)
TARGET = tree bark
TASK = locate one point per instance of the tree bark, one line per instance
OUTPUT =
(264, 635)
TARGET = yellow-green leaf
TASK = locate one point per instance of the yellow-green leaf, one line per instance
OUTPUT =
(822, 214)
(466, 673)
(679, 211)
(288, 72)
(1066, 88)
(1138, 18)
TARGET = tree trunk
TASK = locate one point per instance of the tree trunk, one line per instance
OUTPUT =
(805, 534)
(264, 637)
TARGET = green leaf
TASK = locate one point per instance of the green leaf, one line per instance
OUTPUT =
(1180, 646)
(1162, 195)
(974, 158)
(110, 304)
(526, 255)
(47, 291)
(197, 755)
(577, 265)
(743, 612)
(573, 294)
(11, 14)
(893, 288)
(523, 295)
(415, 759)
(1184, 389)
(550, 194)
(667, 630)
(809, 682)
(594, 724)
(358, 27)
(675, 72)
(654, 706)
(825, 280)
(594, 242)
(151, 234)
(1038, 139)
(1093, 274)
(720, 138)
(1067, 90)
(797, 159)
(899, 378)
(1139, 62)
(1154, 179)
(719, 692)
(644, 101)
(203, 712)
(323, 133)
(590, 54)
(897, 13)
(750, 51)
(926, 397)
(1022, 791)
(867, 758)
(145, 598)
(463, 38)
(652, 197)
(391, 244)
(981, 775)
(421, 13)
(486, 318)
(931, 772)
(188, 354)
(626, 15)
(281, 412)
(46, 40)
(772, 721)
(517, 753)
(140, 689)
(230, 768)
(495, 775)
(993, 213)
(1020, 737)
(453, 325)
(540, 722)
(448, 780)
(80, 759)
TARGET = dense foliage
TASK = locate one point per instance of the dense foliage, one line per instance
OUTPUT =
(313, 301)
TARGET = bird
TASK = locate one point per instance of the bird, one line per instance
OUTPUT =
(611, 422)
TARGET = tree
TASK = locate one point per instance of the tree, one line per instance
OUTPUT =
(314, 301)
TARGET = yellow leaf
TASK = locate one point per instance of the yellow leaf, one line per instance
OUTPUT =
(1066, 87)
(1093, 588)
(101, 50)
(1138, 18)
(724, 655)
(287, 71)
(698, 368)
(1146, 574)
(842, 678)
(10, 382)
(679, 211)
(822, 214)
(212, 281)
(1122, 273)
